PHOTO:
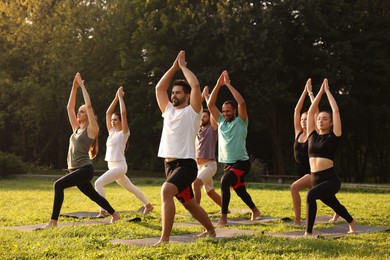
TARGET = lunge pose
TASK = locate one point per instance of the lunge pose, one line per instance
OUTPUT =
(300, 152)
(206, 141)
(322, 148)
(118, 134)
(82, 149)
(232, 132)
(177, 146)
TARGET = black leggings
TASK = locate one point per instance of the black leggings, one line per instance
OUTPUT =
(325, 186)
(81, 178)
(233, 176)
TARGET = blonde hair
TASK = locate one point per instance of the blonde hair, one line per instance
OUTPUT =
(94, 148)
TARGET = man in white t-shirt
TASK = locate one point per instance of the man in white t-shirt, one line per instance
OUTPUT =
(177, 146)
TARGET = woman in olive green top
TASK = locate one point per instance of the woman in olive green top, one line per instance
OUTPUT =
(82, 149)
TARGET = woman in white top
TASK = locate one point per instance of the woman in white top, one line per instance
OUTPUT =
(118, 134)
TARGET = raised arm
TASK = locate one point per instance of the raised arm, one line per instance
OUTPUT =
(195, 97)
(110, 111)
(337, 130)
(309, 90)
(242, 111)
(313, 110)
(163, 85)
(211, 102)
(93, 128)
(72, 106)
(206, 96)
(298, 108)
(122, 106)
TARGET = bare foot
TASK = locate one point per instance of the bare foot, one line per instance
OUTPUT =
(297, 223)
(352, 227)
(161, 243)
(52, 224)
(102, 214)
(255, 213)
(209, 233)
(221, 224)
(334, 218)
(148, 208)
(115, 217)
(222, 221)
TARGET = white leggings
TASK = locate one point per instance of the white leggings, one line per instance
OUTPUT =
(117, 172)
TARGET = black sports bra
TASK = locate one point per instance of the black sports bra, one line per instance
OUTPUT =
(324, 146)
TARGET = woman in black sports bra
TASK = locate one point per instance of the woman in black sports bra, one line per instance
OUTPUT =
(322, 148)
(301, 153)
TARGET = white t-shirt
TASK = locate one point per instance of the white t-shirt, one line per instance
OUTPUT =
(116, 145)
(179, 132)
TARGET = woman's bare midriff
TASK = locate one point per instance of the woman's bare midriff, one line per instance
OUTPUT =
(318, 164)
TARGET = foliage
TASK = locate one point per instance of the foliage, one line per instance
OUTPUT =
(270, 48)
(10, 164)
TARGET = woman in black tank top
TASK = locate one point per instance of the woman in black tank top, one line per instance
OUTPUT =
(300, 152)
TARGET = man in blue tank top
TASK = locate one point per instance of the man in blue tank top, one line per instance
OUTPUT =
(232, 132)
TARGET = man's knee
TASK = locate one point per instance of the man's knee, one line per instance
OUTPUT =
(168, 190)
(226, 180)
(211, 192)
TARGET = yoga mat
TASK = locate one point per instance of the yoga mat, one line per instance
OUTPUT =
(92, 214)
(60, 224)
(332, 232)
(186, 238)
(319, 220)
(234, 221)
(213, 214)
(35, 227)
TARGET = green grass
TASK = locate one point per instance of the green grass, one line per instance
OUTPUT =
(29, 201)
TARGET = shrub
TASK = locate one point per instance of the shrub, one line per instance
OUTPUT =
(10, 164)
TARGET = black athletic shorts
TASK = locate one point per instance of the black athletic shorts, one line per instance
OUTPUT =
(182, 173)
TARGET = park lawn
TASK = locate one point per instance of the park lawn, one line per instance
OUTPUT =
(29, 201)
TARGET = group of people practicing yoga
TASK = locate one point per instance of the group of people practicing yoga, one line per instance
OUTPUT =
(188, 140)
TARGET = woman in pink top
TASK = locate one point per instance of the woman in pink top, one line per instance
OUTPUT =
(118, 134)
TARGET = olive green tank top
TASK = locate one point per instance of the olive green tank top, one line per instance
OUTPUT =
(79, 144)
